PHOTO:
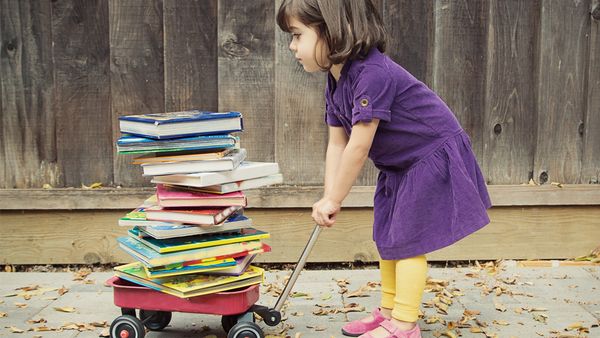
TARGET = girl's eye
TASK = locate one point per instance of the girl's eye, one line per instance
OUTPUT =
(296, 35)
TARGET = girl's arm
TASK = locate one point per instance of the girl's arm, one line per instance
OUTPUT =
(335, 148)
(343, 176)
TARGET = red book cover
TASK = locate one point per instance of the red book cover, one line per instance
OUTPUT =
(175, 197)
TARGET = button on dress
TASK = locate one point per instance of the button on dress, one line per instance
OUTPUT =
(430, 191)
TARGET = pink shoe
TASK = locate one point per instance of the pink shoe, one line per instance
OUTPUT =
(358, 327)
(396, 332)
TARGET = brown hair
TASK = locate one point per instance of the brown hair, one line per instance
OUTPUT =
(350, 28)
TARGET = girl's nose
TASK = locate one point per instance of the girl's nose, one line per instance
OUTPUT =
(292, 46)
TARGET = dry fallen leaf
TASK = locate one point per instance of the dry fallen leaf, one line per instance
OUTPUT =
(3, 314)
(65, 309)
(36, 321)
(499, 306)
(21, 305)
(15, 330)
(541, 317)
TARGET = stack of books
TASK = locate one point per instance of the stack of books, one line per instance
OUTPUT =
(191, 237)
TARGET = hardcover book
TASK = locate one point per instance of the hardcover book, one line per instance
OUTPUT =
(207, 261)
(170, 196)
(179, 156)
(181, 124)
(137, 217)
(228, 162)
(245, 171)
(190, 216)
(199, 241)
(152, 258)
(130, 144)
(227, 188)
(234, 222)
(183, 268)
(241, 264)
(185, 286)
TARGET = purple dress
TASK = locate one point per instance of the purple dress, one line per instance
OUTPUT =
(430, 191)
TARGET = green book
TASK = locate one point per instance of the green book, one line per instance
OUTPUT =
(199, 241)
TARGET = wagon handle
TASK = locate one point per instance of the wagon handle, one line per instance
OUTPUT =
(299, 266)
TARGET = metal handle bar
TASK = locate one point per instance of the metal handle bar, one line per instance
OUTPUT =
(299, 266)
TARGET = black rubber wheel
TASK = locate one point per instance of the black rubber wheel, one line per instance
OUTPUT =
(128, 311)
(245, 330)
(127, 326)
(155, 320)
(227, 322)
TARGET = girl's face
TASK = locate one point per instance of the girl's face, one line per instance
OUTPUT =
(308, 48)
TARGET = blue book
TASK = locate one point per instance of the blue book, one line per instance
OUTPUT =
(151, 258)
(235, 222)
(181, 124)
(130, 144)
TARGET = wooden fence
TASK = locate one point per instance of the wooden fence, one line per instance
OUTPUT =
(522, 76)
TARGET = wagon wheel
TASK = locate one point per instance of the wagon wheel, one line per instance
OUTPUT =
(155, 320)
(127, 326)
(245, 330)
(227, 322)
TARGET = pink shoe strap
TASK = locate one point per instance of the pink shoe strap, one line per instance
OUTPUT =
(393, 330)
(377, 314)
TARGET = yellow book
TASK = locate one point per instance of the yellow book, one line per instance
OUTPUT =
(183, 269)
(185, 286)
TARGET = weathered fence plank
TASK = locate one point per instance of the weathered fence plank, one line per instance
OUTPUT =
(561, 98)
(591, 142)
(190, 55)
(300, 130)
(246, 42)
(28, 150)
(410, 26)
(508, 143)
(90, 236)
(136, 71)
(459, 62)
(82, 80)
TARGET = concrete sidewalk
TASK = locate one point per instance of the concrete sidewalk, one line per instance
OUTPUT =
(493, 301)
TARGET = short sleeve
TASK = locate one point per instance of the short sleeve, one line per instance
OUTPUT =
(374, 92)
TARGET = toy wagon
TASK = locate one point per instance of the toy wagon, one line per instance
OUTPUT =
(237, 307)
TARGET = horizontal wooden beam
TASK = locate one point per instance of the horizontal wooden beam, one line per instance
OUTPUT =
(85, 236)
(282, 197)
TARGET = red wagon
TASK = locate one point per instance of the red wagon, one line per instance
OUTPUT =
(237, 307)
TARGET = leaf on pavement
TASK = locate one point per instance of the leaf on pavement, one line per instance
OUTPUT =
(65, 309)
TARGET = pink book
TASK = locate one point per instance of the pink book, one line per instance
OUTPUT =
(172, 197)
(190, 216)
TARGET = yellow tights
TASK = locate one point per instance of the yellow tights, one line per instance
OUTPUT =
(402, 286)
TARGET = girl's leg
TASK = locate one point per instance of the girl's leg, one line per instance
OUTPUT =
(388, 286)
(410, 277)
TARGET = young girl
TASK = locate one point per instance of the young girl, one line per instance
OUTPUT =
(430, 191)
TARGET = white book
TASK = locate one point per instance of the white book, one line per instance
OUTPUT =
(245, 171)
(233, 223)
(227, 162)
(242, 185)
